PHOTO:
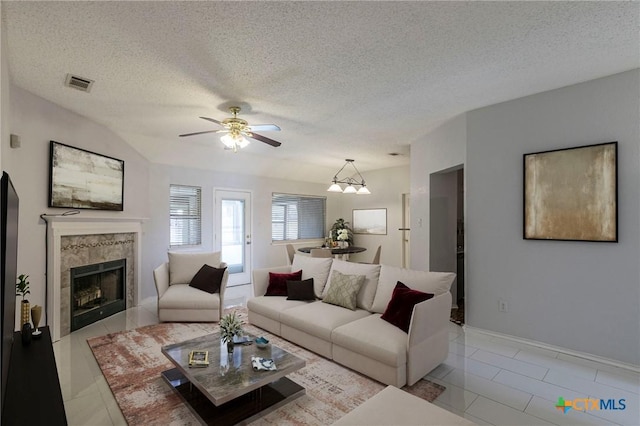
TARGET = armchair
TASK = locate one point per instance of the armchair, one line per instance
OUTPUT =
(177, 300)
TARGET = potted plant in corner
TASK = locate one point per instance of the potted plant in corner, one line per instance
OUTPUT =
(22, 289)
(230, 326)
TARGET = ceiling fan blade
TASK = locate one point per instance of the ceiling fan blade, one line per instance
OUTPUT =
(212, 120)
(198, 133)
(265, 140)
(264, 128)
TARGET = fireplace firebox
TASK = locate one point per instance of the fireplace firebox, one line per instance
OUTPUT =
(97, 291)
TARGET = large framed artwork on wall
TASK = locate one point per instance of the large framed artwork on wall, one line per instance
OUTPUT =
(81, 179)
(572, 194)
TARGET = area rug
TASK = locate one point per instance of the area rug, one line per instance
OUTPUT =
(131, 362)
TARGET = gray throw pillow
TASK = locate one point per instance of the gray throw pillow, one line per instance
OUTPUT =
(343, 290)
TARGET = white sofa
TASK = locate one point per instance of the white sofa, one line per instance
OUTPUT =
(393, 406)
(360, 339)
(177, 300)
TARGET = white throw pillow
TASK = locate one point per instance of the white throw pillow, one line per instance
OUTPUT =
(183, 266)
(368, 289)
(313, 267)
(428, 282)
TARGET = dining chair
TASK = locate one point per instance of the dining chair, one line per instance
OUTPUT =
(321, 253)
(376, 258)
(291, 251)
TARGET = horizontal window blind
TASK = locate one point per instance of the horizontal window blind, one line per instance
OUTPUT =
(185, 215)
(297, 217)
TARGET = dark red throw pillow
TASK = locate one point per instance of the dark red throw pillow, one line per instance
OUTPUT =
(400, 307)
(278, 282)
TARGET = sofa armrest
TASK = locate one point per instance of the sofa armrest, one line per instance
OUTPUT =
(261, 278)
(429, 318)
(161, 278)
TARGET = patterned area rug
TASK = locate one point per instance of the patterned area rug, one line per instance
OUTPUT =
(131, 362)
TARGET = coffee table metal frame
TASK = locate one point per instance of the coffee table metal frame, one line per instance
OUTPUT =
(229, 391)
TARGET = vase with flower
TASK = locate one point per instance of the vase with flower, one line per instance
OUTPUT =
(230, 326)
(22, 289)
(341, 233)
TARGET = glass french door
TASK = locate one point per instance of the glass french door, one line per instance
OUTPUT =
(233, 233)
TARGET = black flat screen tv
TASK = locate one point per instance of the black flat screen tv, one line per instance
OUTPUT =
(8, 272)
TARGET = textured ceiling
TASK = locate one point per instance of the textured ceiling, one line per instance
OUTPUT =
(342, 79)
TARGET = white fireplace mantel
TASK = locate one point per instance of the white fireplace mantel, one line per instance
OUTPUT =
(59, 226)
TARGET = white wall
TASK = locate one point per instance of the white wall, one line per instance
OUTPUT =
(387, 187)
(442, 149)
(38, 121)
(579, 295)
(264, 253)
(4, 90)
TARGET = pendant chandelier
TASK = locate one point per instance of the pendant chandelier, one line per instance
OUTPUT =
(349, 181)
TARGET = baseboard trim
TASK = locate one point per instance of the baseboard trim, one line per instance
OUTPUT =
(612, 362)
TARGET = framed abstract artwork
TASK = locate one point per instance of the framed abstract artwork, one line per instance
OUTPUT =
(370, 221)
(572, 194)
(80, 179)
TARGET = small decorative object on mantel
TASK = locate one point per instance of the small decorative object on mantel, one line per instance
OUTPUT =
(230, 326)
(22, 289)
(36, 315)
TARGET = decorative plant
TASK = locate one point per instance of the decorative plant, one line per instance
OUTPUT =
(338, 226)
(230, 325)
(343, 235)
(22, 286)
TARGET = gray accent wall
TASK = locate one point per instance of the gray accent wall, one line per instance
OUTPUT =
(582, 296)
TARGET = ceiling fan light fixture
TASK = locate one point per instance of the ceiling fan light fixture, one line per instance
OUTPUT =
(234, 141)
(351, 183)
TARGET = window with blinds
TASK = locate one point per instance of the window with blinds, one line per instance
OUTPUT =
(297, 217)
(185, 215)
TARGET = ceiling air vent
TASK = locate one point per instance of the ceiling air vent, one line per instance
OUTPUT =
(79, 83)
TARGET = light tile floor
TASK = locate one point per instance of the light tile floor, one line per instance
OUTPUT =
(489, 380)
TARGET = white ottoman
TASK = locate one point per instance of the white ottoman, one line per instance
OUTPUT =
(393, 406)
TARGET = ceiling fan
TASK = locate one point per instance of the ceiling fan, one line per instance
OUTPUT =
(236, 130)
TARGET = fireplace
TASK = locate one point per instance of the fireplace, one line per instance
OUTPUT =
(97, 291)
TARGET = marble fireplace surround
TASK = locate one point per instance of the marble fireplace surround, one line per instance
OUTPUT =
(76, 241)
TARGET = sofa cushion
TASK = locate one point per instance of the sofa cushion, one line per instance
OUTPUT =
(272, 306)
(368, 289)
(428, 282)
(400, 308)
(278, 283)
(208, 279)
(300, 290)
(183, 266)
(343, 290)
(182, 296)
(373, 338)
(313, 267)
(319, 319)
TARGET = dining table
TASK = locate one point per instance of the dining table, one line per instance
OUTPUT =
(342, 252)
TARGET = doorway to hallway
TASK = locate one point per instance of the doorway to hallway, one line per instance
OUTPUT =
(446, 232)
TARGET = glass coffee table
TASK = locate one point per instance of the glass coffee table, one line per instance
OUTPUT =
(228, 390)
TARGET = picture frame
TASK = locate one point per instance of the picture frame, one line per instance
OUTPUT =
(81, 179)
(571, 194)
(370, 221)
